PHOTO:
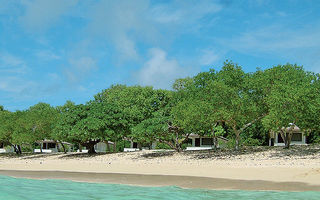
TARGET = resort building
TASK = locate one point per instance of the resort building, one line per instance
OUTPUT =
(298, 138)
(52, 146)
(100, 147)
(135, 146)
(5, 149)
(198, 142)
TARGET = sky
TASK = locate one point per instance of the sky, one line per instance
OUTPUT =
(57, 50)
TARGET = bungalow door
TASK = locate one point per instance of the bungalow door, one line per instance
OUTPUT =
(197, 142)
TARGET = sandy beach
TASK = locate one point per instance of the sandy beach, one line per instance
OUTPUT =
(297, 169)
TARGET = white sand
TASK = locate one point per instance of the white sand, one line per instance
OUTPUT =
(272, 165)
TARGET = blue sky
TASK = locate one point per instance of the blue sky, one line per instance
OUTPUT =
(57, 50)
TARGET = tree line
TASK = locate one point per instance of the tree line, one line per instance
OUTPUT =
(230, 102)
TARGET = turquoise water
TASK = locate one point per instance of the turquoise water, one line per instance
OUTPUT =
(17, 188)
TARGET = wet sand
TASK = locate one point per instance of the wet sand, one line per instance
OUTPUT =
(164, 180)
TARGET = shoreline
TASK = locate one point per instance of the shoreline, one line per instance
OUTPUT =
(187, 182)
(257, 169)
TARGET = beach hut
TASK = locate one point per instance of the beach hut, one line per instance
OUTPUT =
(51, 146)
(135, 146)
(298, 137)
(100, 147)
(5, 149)
(198, 142)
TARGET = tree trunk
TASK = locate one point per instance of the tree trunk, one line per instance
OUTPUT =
(286, 136)
(139, 146)
(16, 149)
(237, 143)
(91, 149)
(288, 140)
(108, 146)
(178, 148)
(41, 147)
(237, 133)
(64, 148)
(215, 140)
(80, 148)
(90, 146)
(19, 150)
(114, 146)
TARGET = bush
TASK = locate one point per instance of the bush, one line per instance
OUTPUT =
(65, 146)
(251, 142)
(25, 148)
(314, 138)
(162, 146)
(231, 144)
(185, 145)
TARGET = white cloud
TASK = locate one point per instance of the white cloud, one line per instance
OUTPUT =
(7, 7)
(275, 38)
(185, 12)
(11, 64)
(301, 46)
(79, 68)
(47, 55)
(122, 23)
(126, 23)
(41, 14)
(208, 57)
(159, 71)
(17, 85)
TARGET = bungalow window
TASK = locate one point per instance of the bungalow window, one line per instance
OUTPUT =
(135, 145)
(51, 145)
(207, 141)
(296, 137)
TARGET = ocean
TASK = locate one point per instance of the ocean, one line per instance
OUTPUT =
(25, 189)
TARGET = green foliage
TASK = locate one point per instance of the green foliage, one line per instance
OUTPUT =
(314, 137)
(255, 135)
(219, 98)
(122, 107)
(251, 142)
(291, 97)
(162, 146)
(80, 124)
(218, 130)
(26, 148)
(241, 106)
(231, 143)
(40, 120)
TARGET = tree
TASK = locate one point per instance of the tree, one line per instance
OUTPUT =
(18, 128)
(41, 119)
(123, 107)
(292, 99)
(5, 127)
(80, 124)
(220, 98)
(160, 126)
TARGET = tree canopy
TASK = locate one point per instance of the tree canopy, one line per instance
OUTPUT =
(229, 102)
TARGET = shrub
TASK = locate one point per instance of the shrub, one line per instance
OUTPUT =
(162, 146)
(252, 142)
